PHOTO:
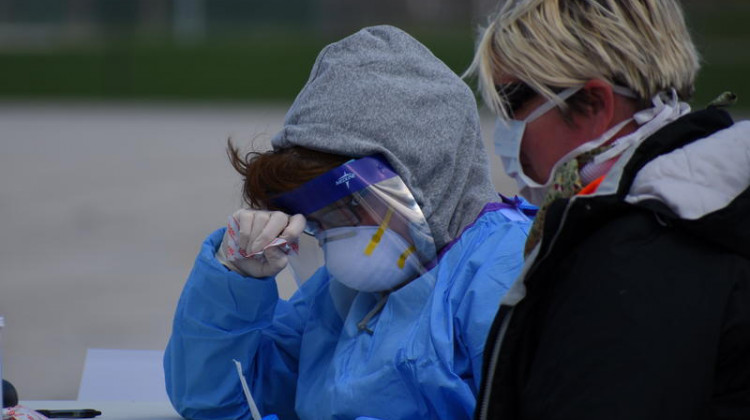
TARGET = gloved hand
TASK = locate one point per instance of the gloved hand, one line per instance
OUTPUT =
(250, 245)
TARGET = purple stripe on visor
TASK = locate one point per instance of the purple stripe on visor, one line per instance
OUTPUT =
(335, 184)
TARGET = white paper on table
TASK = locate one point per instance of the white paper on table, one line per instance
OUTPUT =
(123, 375)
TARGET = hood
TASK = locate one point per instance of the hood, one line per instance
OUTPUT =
(705, 185)
(380, 91)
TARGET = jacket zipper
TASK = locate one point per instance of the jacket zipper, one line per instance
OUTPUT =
(485, 401)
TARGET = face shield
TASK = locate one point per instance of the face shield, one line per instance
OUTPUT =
(369, 233)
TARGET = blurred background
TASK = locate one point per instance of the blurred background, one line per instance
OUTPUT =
(114, 116)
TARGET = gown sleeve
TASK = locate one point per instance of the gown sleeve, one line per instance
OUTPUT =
(222, 316)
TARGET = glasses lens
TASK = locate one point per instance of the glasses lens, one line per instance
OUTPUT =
(339, 214)
(312, 228)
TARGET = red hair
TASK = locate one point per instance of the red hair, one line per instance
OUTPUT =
(269, 174)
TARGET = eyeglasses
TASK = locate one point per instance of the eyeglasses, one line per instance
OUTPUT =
(515, 95)
(341, 213)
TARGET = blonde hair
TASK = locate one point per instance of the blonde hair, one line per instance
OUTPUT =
(641, 44)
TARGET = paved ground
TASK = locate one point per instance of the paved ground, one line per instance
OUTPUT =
(103, 209)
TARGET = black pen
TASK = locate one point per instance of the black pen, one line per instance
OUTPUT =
(85, 413)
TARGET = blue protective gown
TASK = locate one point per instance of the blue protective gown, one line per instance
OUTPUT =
(422, 360)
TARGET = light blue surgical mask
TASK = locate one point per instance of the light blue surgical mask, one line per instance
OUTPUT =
(508, 136)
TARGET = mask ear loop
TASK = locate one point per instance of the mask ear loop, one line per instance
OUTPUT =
(649, 121)
(564, 95)
(599, 141)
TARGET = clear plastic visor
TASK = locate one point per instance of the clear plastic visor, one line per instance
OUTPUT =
(370, 234)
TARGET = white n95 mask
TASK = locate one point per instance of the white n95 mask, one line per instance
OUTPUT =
(368, 258)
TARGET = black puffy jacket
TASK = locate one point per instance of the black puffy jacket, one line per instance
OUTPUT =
(637, 305)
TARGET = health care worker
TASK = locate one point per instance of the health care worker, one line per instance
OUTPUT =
(633, 303)
(381, 159)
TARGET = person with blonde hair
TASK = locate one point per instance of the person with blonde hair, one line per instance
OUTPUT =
(633, 301)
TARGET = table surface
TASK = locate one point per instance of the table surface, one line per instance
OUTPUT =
(113, 410)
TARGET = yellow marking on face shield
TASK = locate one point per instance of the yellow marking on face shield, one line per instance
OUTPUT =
(402, 259)
(379, 233)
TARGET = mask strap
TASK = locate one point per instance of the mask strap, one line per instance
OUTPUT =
(650, 121)
(591, 145)
(378, 235)
(585, 148)
(401, 263)
(567, 93)
(612, 132)
(624, 91)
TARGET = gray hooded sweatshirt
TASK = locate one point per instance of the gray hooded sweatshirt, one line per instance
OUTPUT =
(380, 91)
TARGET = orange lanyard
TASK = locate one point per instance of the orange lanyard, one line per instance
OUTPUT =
(592, 186)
